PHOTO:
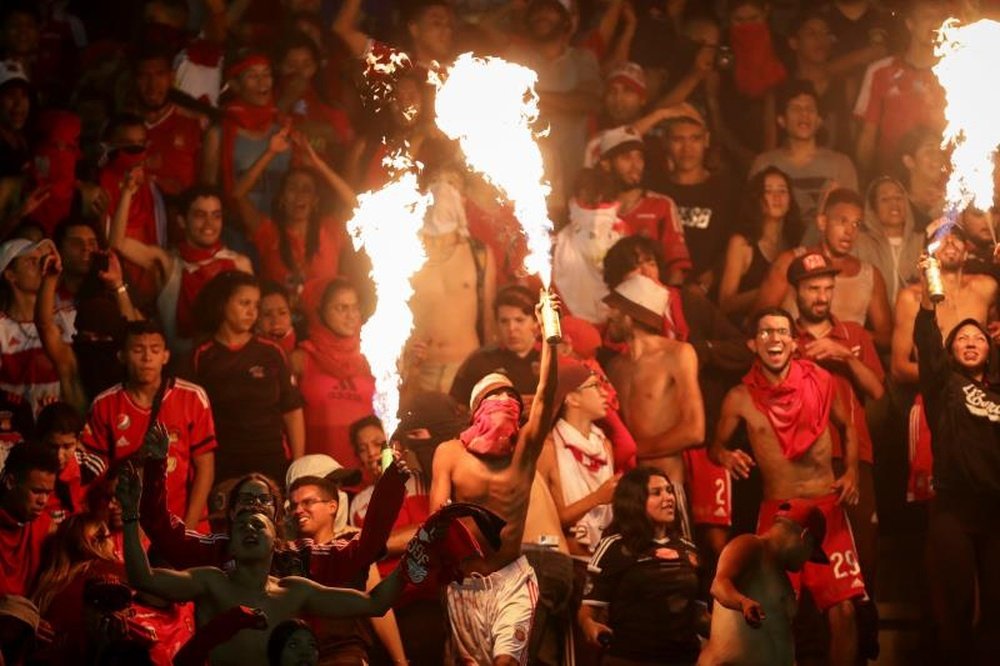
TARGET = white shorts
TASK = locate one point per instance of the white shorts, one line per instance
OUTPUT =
(491, 615)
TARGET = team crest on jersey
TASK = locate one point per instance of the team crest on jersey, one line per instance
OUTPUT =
(123, 422)
(520, 635)
(257, 372)
(121, 442)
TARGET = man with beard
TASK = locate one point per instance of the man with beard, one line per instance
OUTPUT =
(174, 135)
(569, 81)
(656, 380)
(492, 464)
(847, 352)
(119, 418)
(643, 212)
(861, 293)
(789, 407)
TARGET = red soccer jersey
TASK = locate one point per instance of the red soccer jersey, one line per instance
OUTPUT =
(859, 341)
(20, 551)
(656, 217)
(116, 426)
(174, 150)
(897, 97)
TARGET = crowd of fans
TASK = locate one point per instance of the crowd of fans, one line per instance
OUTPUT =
(745, 194)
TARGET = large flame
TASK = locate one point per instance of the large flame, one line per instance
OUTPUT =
(387, 224)
(489, 105)
(968, 54)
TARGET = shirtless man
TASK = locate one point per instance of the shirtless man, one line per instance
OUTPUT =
(493, 464)
(965, 296)
(249, 583)
(657, 382)
(788, 407)
(752, 619)
(861, 294)
(452, 294)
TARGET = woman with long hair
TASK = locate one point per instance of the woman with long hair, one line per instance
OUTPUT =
(643, 587)
(302, 241)
(333, 375)
(256, 407)
(771, 225)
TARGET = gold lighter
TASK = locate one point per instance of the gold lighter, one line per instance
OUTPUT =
(935, 286)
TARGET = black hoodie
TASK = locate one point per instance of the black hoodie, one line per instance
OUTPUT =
(964, 418)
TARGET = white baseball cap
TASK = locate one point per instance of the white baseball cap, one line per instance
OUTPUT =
(19, 247)
(619, 139)
(11, 70)
(641, 298)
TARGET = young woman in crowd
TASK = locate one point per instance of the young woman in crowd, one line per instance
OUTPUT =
(771, 226)
(292, 643)
(275, 322)
(332, 374)
(642, 594)
(256, 407)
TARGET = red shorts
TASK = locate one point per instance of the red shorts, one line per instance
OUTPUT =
(710, 489)
(920, 485)
(831, 583)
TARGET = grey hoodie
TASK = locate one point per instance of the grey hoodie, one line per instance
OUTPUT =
(872, 245)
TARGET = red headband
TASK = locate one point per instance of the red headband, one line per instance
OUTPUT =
(245, 63)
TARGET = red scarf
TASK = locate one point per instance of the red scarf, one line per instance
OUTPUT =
(757, 67)
(239, 115)
(335, 355)
(200, 266)
(798, 408)
(493, 428)
(675, 326)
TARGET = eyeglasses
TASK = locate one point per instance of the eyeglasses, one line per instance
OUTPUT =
(307, 503)
(766, 333)
(265, 499)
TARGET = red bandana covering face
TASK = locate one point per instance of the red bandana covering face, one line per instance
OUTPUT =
(493, 428)
(798, 408)
(336, 356)
(200, 266)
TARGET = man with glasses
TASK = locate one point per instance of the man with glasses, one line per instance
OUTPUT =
(313, 505)
(790, 408)
(861, 295)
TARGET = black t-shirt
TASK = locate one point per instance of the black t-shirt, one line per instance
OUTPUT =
(250, 389)
(850, 35)
(651, 598)
(707, 212)
(523, 372)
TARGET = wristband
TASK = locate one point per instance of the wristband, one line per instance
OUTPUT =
(121, 289)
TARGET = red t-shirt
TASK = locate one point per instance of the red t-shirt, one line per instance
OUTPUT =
(116, 426)
(332, 404)
(655, 216)
(323, 265)
(859, 341)
(897, 97)
(174, 150)
(20, 551)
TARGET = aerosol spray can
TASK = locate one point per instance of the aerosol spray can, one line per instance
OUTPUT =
(932, 272)
(386, 456)
(551, 328)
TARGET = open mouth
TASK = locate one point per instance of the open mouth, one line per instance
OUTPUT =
(251, 540)
(775, 352)
(970, 356)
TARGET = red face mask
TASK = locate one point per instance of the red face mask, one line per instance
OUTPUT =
(121, 160)
(493, 428)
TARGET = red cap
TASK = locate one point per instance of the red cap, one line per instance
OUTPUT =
(805, 515)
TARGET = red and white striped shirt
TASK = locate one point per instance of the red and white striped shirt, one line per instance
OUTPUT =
(25, 369)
